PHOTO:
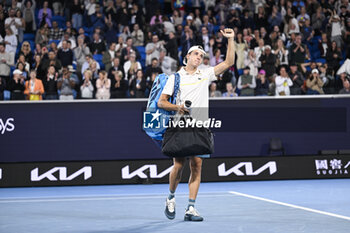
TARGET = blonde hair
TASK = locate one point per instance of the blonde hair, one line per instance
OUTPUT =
(133, 65)
(93, 62)
(120, 74)
(88, 72)
(26, 43)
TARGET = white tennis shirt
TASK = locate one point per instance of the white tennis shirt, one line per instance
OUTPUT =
(193, 87)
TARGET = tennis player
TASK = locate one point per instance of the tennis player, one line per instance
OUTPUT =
(194, 85)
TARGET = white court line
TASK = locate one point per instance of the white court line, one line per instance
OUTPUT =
(291, 205)
(31, 200)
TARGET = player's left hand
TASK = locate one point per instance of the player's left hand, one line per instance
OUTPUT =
(228, 33)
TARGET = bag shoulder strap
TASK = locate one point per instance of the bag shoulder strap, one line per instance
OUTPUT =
(176, 88)
(176, 85)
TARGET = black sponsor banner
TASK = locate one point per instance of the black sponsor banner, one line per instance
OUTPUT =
(157, 171)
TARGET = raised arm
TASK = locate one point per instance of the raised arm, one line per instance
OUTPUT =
(230, 54)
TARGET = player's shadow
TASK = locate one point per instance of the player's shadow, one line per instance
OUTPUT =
(149, 227)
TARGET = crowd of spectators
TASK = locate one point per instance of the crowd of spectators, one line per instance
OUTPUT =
(84, 49)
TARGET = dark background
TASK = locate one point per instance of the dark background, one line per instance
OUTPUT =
(112, 130)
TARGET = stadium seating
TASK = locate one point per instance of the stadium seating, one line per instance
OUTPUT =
(61, 20)
(56, 41)
(88, 30)
(7, 95)
(216, 28)
(142, 52)
(98, 58)
(321, 60)
(28, 36)
(32, 44)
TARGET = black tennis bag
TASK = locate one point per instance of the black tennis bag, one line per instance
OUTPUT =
(190, 141)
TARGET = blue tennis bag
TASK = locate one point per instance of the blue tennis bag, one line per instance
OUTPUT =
(155, 120)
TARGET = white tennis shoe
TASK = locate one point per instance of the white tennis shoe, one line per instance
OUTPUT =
(170, 208)
(192, 215)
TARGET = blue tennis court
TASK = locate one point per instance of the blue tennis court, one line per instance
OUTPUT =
(255, 206)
